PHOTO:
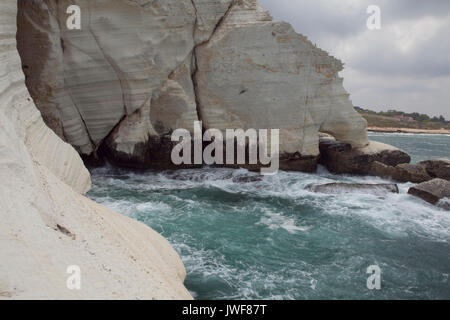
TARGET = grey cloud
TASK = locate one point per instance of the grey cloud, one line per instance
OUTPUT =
(412, 9)
(315, 19)
(430, 59)
(378, 62)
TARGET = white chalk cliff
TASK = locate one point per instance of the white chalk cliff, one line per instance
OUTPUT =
(133, 73)
(139, 69)
(47, 224)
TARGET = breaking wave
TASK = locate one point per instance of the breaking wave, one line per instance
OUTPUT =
(244, 236)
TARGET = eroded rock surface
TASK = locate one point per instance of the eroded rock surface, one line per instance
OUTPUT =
(257, 73)
(355, 188)
(47, 224)
(438, 168)
(375, 159)
(137, 70)
(410, 173)
(403, 172)
(436, 192)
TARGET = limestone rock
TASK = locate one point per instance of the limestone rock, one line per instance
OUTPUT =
(257, 73)
(296, 162)
(342, 188)
(341, 158)
(433, 191)
(109, 69)
(417, 173)
(403, 172)
(209, 13)
(438, 168)
(381, 170)
(174, 105)
(47, 224)
(137, 70)
(410, 173)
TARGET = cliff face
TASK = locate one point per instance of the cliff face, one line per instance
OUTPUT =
(139, 69)
(47, 224)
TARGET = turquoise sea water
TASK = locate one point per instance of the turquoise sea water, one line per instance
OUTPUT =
(272, 239)
(419, 146)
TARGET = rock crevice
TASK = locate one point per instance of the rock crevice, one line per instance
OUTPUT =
(194, 51)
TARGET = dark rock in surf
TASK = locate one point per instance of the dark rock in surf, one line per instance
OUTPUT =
(410, 173)
(247, 179)
(434, 192)
(439, 168)
(296, 162)
(343, 188)
(341, 158)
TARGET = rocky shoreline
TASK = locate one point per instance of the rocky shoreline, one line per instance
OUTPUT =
(387, 162)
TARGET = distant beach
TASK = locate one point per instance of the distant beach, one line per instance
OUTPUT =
(408, 130)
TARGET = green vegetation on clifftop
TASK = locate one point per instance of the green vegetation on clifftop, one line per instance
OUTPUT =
(400, 119)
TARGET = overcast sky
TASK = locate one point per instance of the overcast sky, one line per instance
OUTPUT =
(403, 66)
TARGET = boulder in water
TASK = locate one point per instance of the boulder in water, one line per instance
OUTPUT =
(381, 170)
(296, 162)
(342, 188)
(438, 168)
(341, 157)
(434, 192)
(247, 179)
(406, 172)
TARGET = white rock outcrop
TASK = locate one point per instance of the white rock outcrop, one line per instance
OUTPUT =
(47, 224)
(139, 69)
(257, 73)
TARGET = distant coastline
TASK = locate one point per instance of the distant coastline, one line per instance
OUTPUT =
(393, 121)
(407, 130)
